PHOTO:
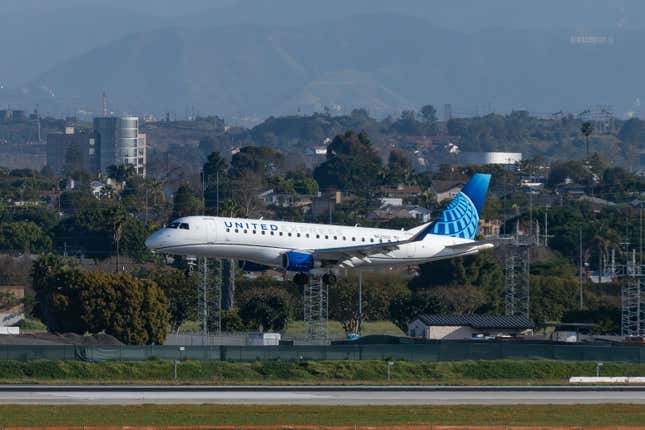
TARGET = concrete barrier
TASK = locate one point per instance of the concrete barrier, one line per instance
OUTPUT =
(607, 380)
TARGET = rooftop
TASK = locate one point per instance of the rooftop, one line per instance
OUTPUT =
(478, 321)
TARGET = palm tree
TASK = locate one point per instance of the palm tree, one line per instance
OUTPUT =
(587, 129)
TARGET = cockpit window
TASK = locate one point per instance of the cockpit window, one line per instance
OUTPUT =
(173, 225)
(184, 226)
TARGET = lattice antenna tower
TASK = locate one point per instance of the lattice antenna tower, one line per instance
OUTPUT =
(316, 310)
(104, 104)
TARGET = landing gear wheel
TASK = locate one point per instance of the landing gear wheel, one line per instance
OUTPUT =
(300, 279)
(329, 278)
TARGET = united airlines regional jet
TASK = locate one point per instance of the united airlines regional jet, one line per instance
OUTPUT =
(322, 248)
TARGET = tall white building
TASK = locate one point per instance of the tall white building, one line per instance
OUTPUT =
(119, 142)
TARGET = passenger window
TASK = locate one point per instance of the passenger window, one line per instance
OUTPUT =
(280, 233)
(184, 226)
(263, 232)
(298, 234)
(326, 237)
(362, 239)
(173, 225)
(335, 237)
(237, 231)
(307, 235)
(371, 239)
(245, 231)
(289, 234)
(353, 239)
(271, 233)
(344, 238)
(317, 236)
(254, 232)
(228, 230)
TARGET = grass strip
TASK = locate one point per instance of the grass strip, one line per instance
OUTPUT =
(167, 415)
(308, 372)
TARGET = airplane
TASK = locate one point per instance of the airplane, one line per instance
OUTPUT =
(314, 249)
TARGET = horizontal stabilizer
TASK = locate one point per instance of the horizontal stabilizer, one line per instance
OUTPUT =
(470, 246)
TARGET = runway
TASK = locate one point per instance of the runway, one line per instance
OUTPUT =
(316, 395)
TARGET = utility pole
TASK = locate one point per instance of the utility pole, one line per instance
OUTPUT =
(360, 302)
(204, 296)
(580, 268)
(546, 226)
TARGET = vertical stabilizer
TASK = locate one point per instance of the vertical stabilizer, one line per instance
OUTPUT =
(461, 217)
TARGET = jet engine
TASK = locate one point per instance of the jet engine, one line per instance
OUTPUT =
(294, 261)
(249, 266)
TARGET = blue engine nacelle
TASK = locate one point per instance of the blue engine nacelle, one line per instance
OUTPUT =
(297, 261)
(249, 266)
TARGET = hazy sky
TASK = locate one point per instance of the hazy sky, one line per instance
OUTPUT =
(458, 14)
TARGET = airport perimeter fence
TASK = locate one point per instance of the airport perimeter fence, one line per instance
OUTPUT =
(435, 351)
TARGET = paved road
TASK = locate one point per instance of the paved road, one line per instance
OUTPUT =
(325, 395)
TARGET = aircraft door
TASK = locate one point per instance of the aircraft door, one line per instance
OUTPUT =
(211, 230)
(410, 250)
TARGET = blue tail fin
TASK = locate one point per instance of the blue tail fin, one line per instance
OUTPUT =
(461, 217)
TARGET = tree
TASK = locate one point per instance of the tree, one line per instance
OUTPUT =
(209, 144)
(399, 168)
(186, 202)
(586, 129)
(404, 309)
(259, 160)
(121, 172)
(429, 113)
(352, 164)
(379, 291)
(454, 276)
(265, 309)
(71, 299)
(8, 299)
(231, 321)
(180, 291)
(459, 300)
(407, 124)
(100, 230)
(215, 164)
(24, 237)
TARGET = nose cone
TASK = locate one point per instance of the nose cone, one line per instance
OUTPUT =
(152, 242)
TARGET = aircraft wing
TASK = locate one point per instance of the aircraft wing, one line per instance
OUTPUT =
(364, 251)
(359, 251)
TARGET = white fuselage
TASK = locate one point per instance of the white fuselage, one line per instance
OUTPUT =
(265, 242)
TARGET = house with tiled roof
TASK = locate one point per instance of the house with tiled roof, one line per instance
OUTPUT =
(432, 326)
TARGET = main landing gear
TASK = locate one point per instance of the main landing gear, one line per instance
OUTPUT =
(301, 278)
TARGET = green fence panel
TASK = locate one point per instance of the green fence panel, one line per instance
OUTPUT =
(612, 353)
(566, 352)
(431, 351)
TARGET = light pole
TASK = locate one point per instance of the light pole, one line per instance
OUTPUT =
(580, 268)
(360, 302)
(389, 370)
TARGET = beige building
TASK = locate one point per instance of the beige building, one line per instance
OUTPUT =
(461, 327)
